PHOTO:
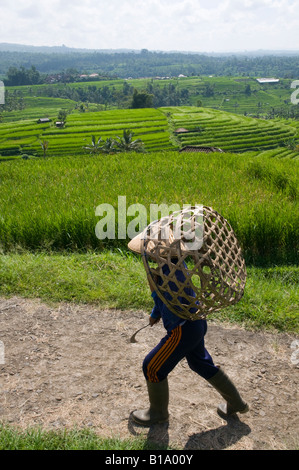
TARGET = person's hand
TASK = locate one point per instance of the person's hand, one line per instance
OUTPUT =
(153, 321)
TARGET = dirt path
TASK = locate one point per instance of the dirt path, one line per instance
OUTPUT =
(74, 365)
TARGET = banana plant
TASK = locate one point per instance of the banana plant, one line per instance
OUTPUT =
(109, 146)
(127, 144)
(95, 146)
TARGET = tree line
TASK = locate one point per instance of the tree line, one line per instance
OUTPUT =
(125, 96)
(22, 76)
(146, 64)
(156, 93)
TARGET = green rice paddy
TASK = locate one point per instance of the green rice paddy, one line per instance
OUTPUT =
(23, 137)
(50, 203)
(230, 132)
(155, 127)
(219, 123)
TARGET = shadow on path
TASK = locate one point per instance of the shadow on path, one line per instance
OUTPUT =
(220, 438)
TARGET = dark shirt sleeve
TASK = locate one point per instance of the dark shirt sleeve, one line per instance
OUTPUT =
(156, 311)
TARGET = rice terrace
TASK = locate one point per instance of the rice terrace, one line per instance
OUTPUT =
(70, 302)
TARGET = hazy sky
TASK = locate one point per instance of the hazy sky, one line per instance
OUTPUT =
(193, 25)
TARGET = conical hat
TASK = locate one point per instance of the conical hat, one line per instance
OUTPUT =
(171, 235)
(137, 244)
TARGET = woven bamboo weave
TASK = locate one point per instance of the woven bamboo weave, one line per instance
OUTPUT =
(212, 264)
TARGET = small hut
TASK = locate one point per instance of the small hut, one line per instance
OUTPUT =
(181, 130)
(43, 120)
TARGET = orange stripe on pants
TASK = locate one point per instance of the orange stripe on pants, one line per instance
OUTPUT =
(163, 354)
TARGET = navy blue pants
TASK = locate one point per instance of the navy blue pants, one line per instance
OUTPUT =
(185, 341)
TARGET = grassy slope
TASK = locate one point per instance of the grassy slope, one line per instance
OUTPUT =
(56, 209)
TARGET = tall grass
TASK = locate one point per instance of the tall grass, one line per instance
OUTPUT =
(50, 203)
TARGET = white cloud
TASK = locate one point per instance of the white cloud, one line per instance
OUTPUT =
(201, 25)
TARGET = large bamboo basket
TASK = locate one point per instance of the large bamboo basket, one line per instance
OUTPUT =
(212, 264)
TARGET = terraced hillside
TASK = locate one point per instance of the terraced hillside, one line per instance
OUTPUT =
(278, 153)
(36, 106)
(23, 137)
(230, 132)
(156, 128)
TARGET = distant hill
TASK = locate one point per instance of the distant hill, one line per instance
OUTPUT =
(8, 47)
(126, 63)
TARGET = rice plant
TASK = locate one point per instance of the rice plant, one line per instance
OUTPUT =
(50, 203)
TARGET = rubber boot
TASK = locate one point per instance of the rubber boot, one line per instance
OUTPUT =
(234, 403)
(158, 411)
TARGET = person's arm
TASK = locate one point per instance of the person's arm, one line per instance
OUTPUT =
(156, 314)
